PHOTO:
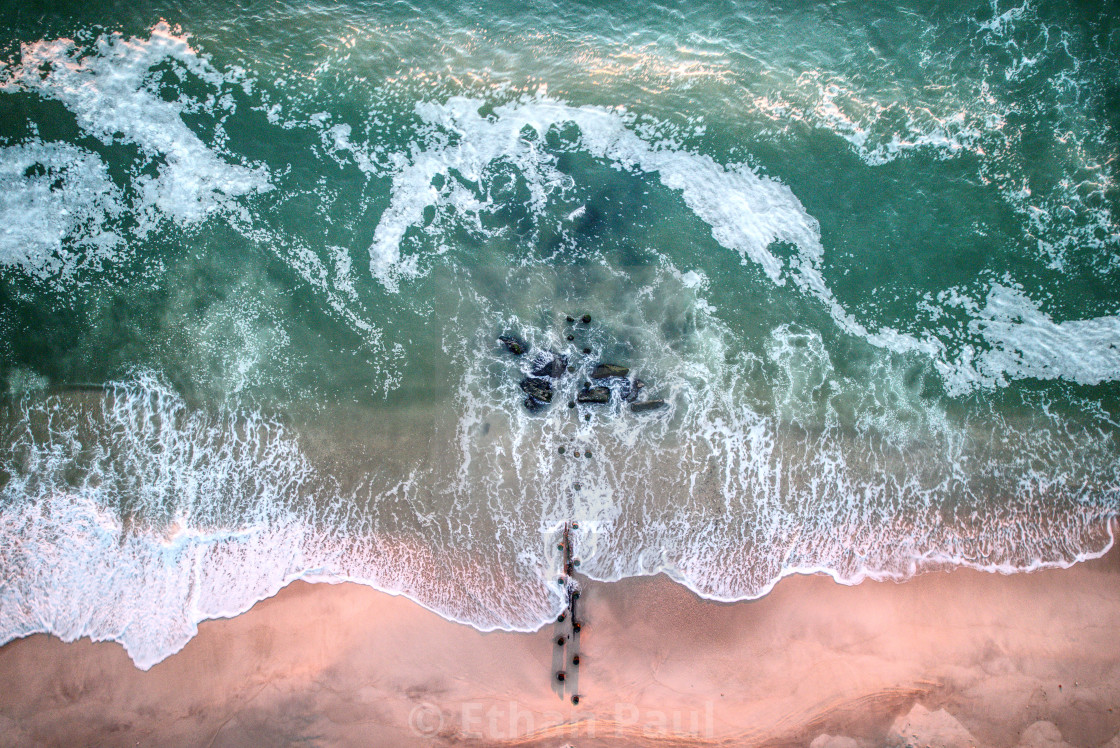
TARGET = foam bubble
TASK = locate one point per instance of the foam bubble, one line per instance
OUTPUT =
(746, 212)
(153, 517)
(1025, 342)
(58, 208)
(110, 91)
(117, 88)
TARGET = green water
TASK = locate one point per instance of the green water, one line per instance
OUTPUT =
(255, 259)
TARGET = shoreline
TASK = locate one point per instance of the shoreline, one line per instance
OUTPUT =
(963, 657)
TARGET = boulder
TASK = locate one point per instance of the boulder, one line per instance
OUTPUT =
(550, 364)
(594, 395)
(513, 344)
(537, 389)
(605, 371)
(647, 405)
(631, 389)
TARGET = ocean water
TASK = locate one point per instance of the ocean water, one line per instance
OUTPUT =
(255, 258)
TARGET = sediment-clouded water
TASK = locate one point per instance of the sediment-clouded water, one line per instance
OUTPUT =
(255, 261)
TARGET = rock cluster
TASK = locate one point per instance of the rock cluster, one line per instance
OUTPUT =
(549, 368)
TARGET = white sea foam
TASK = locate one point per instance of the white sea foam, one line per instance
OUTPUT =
(747, 213)
(153, 516)
(461, 148)
(110, 91)
(129, 517)
(203, 509)
(58, 208)
(68, 218)
(947, 112)
(881, 127)
(727, 499)
(1025, 342)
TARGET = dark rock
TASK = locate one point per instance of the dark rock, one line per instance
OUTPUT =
(569, 319)
(630, 389)
(594, 395)
(571, 338)
(550, 364)
(648, 405)
(571, 369)
(605, 371)
(571, 403)
(537, 389)
(587, 351)
(585, 319)
(513, 344)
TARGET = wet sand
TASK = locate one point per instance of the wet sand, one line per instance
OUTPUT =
(947, 659)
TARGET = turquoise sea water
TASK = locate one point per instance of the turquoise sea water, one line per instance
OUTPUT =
(255, 259)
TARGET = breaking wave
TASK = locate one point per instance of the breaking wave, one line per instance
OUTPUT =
(802, 431)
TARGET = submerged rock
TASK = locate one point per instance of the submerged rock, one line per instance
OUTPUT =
(594, 395)
(513, 344)
(648, 405)
(605, 371)
(539, 390)
(631, 389)
(585, 319)
(551, 364)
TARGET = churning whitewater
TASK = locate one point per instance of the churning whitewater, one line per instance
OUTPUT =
(273, 289)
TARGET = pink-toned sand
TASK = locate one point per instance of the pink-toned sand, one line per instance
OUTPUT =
(946, 659)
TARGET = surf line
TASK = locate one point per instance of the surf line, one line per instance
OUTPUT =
(566, 664)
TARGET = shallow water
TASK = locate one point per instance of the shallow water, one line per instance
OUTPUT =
(255, 260)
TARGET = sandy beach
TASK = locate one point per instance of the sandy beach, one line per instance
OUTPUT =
(947, 659)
